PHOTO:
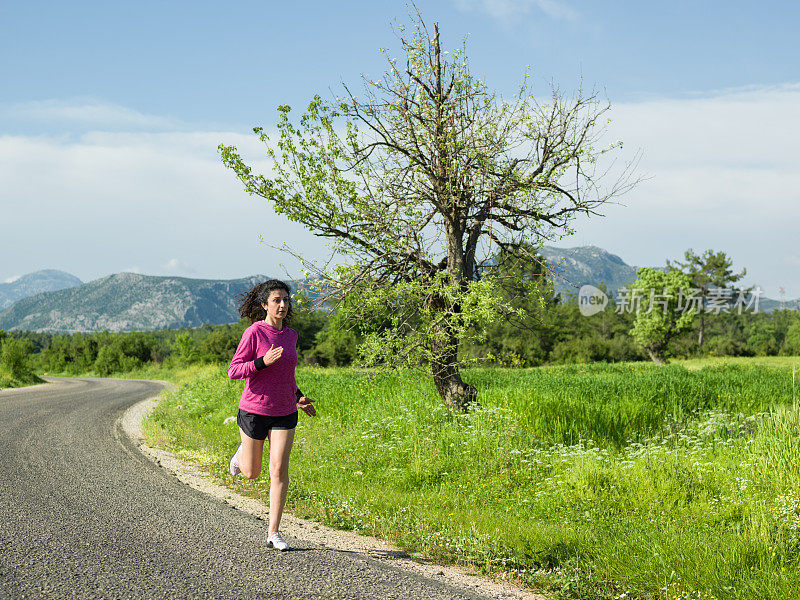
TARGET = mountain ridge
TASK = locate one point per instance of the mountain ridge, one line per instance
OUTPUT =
(592, 265)
(581, 265)
(134, 302)
(30, 284)
(129, 302)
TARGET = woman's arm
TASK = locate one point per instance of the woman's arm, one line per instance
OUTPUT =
(243, 363)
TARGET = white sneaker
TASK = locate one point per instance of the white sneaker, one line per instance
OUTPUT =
(276, 541)
(234, 464)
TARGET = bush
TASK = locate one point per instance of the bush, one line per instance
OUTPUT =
(220, 345)
(725, 346)
(594, 348)
(184, 348)
(764, 337)
(111, 359)
(791, 344)
(334, 347)
(578, 350)
(14, 355)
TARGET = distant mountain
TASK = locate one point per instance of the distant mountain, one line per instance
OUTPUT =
(574, 267)
(134, 302)
(768, 304)
(129, 302)
(47, 280)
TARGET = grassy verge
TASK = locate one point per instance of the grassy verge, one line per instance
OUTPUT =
(592, 481)
(10, 380)
(177, 374)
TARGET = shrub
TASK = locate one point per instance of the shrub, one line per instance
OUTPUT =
(725, 346)
(111, 359)
(14, 355)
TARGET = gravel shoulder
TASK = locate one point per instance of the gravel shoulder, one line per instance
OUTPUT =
(198, 479)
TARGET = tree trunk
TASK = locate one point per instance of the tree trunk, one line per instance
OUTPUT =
(702, 315)
(657, 356)
(456, 394)
(700, 336)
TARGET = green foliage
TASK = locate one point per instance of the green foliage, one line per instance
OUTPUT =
(14, 353)
(335, 345)
(101, 352)
(595, 348)
(517, 335)
(791, 342)
(763, 338)
(308, 324)
(402, 324)
(659, 318)
(726, 346)
(185, 348)
(707, 270)
(106, 353)
(112, 359)
(553, 332)
(418, 184)
(15, 361)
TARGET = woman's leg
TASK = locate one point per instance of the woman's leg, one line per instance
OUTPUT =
(250, 456)
(280, 445)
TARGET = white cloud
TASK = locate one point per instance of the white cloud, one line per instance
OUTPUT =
(84, 112)
(175, 265)
(12, 279)
(723, 176)
(510, 9)
(751, 128)
(96, 203)
(723, 169)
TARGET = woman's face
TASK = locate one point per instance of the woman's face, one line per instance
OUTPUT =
(277, 305)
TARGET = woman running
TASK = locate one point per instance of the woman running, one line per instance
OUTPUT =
(266, 359)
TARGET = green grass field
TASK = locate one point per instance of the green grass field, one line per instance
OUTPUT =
(590, 481)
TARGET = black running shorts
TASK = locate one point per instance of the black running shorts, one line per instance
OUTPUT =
(257, 426)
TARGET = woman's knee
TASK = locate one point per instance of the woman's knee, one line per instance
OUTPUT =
(279, 470)
(250, 471)
(251, 474)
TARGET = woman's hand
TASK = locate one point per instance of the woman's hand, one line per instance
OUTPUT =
(305, 404)
(272, 355)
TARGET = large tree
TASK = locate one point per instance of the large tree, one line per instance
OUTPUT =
(706, 271)
(656, 298)
(419, 182)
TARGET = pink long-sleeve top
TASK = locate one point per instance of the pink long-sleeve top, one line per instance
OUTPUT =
(268, 390)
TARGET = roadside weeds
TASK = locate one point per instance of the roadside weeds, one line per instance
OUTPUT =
(373, 548)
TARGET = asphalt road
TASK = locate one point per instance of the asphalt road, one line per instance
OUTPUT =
(84, 515)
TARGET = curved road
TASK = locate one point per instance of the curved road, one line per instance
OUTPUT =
(83, 514)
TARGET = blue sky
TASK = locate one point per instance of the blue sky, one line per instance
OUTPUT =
(110, 114)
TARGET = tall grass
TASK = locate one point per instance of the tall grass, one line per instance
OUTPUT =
(614, 404)
(592, 481)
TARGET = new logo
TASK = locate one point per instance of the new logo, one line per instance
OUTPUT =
(591, 300)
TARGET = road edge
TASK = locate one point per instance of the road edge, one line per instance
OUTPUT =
(130, 423)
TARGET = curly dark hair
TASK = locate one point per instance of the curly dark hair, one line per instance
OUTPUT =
(250, 302)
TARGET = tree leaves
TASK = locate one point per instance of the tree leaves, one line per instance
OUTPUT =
(421, 181)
